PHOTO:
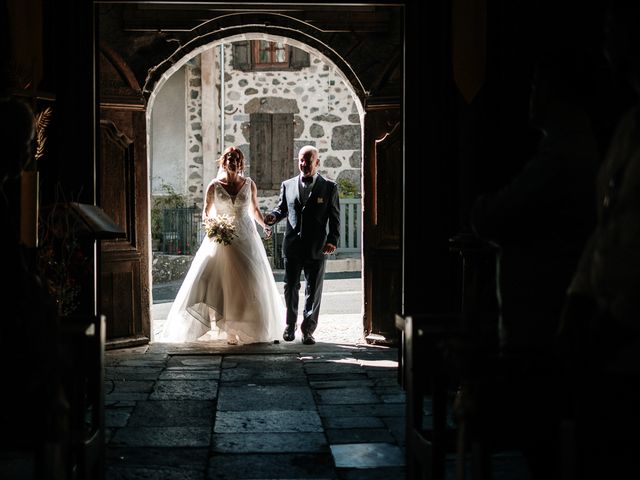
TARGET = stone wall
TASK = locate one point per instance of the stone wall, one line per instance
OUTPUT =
(169, 268)
(325, 115)
(173, 268)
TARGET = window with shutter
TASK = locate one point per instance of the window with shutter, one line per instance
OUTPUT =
(251, 55)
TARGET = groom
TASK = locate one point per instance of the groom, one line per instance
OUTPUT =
(310, 204)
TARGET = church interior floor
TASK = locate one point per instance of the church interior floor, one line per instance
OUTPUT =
(208, 410)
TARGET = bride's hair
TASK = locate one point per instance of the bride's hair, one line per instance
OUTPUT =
(232, 152)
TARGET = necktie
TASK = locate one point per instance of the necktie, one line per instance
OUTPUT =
(306, 189)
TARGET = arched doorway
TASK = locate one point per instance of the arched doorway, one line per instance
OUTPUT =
(381, 102)
(220, 94)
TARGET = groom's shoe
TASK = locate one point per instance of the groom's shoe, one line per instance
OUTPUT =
(289, 334)
(308, 339)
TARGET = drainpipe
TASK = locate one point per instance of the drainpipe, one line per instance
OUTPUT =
(222, 61)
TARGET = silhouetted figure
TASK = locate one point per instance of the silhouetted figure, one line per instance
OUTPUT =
(541, 220)
(600, 332)
(543, 217)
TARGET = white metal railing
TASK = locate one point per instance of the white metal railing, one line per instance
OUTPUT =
(350, 231)
(350, 225)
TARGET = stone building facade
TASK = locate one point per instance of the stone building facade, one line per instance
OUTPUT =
(223, 94)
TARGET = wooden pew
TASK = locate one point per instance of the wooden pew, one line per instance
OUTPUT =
(84, 339)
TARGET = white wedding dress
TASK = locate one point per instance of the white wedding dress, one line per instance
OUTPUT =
(229, 286)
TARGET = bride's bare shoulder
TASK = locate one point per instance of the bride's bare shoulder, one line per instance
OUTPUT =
(211, 187)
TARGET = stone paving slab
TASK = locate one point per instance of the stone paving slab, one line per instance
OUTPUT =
(342, 396)
(162, 437)
(265, 372)
(387, 397)
(125, 386)
(397, 428)
(268, 421)
(372, 409)
(133, 373)
(160, 456)
(359, 435)
(153, 473)
(353, 422)
(271, 466)
(137, 354)
(190, 374)
(265, 397)
(338, 377)
(117, 417)
(185, 390)
(380, 473)
(367, 455)
(264, 411)
(173, 413)
(332, 368)
(204, 362)
(360, 382)
(124, 398)
(142, 362)
(270, 442)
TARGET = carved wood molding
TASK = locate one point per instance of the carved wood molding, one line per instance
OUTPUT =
(121, 66)
(114, 134)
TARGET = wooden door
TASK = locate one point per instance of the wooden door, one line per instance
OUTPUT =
(124, 279)
(123, 284)
(383, 214)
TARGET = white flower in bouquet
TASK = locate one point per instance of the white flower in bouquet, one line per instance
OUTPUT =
(221, 228)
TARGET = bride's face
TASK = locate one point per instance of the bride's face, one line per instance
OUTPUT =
(232, 163)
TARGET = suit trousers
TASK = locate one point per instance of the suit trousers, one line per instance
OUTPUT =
(314, 277)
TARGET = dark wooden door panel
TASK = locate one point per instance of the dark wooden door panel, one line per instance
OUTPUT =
(124, 298)
(383, 213)
(120, 281)
(386, 285)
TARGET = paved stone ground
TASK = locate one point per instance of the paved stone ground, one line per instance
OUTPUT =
(208, 410)
(340, 312)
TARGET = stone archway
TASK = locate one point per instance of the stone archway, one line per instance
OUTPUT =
(323, 110)
(369, 55)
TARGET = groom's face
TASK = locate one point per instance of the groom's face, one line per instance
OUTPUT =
(308, 163)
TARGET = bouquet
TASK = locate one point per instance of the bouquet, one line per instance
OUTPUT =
(221, 228)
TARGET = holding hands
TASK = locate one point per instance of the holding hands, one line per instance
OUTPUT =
(269, 219)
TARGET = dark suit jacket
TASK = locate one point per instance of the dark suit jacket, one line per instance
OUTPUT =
(310, 226)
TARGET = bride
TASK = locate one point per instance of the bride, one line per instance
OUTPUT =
(231, 285)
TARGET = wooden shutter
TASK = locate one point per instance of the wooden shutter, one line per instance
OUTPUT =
(298, 58)
(260, 139)
(281, 148)
(242, 55)
(271, 138)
